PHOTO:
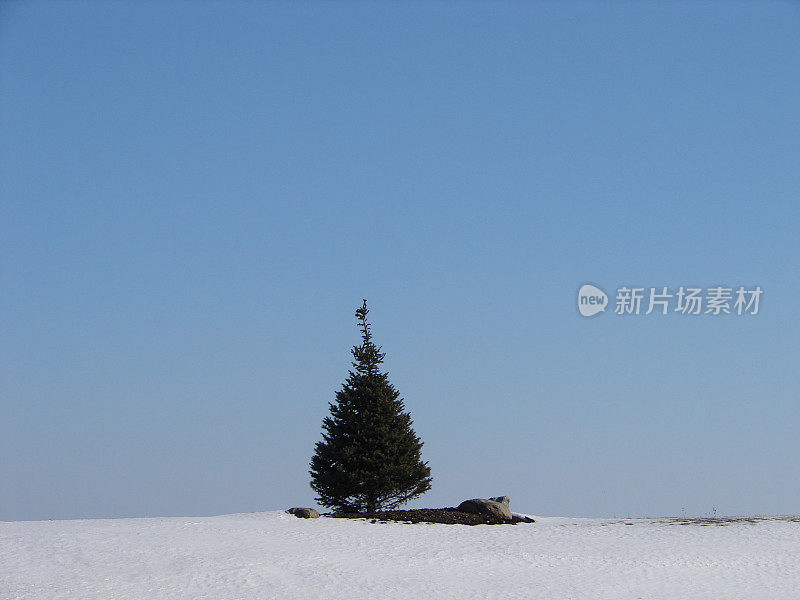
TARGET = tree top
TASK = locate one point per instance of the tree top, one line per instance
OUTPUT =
(367, 356)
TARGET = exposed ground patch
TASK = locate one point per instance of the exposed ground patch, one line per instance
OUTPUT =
(448, 516)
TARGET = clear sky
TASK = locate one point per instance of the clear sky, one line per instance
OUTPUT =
(195, 197)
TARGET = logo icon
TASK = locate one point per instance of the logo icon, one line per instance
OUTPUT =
(591, 300)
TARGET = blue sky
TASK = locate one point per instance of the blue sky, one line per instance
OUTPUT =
(197, 196)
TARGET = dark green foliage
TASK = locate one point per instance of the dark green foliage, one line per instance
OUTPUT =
(369, 458)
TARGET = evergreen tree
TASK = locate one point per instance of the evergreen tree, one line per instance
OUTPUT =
(369, 458)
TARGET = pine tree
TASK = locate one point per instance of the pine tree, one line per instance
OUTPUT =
(369, 458)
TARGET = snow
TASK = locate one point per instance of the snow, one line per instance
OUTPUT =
(275, 555)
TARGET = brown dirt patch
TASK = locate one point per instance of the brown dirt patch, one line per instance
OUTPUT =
(448, 516)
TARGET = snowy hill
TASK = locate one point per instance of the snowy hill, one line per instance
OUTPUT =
(275, 555)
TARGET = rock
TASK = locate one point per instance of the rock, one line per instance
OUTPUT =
(304, 513)
(524, 519)
(481, 506)
(502, 500)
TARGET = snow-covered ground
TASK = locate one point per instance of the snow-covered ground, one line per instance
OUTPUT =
(275, 555)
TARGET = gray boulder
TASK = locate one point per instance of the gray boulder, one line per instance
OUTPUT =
(304, 513)
(502, 500)
(482, 506)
